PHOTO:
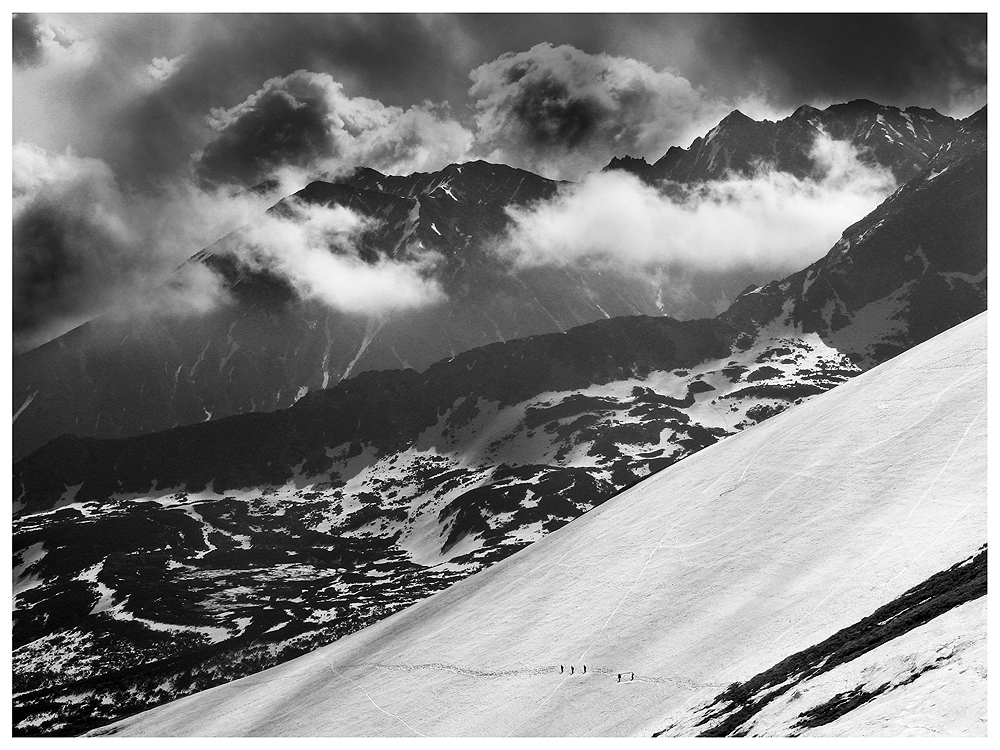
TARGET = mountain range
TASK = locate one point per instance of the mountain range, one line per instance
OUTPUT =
(149, 566)
(119, 376)
(901, 140)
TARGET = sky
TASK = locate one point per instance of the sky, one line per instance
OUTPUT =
(132, 132)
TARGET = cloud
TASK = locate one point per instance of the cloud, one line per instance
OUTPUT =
(314, 248)
(26, 44)
(771, 220)
(104, 106)
(110, 106)
(134, 94)
(902, 59)
(965, 95)
(162, 67)
(305, 120)
(974, 55)
(189, 291)
(83, 244)
(86, 245)
(34, 41)
(563, 112)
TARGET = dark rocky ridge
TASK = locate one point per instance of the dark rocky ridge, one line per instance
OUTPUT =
(924, 246)
(386, 409)
(902, 140)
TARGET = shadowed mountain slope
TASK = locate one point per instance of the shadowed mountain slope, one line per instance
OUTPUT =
(266, 346)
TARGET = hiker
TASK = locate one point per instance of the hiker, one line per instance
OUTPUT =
(571, 670)
(585, 669)
(560, 669)
(619, 677)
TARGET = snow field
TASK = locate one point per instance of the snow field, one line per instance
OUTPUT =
(947, 700)
(704, 574)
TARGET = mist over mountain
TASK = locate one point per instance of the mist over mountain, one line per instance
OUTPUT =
(899, 139)
(375, 271)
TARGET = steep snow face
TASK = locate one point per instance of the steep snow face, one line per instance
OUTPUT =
(706, 574)
(313, 559)
(310, 559)
(927, 681)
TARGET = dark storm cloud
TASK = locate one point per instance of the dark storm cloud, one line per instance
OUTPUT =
(81, 242)
(306, 122)
(32, 40)
(925, 60)
(903, 59)
(283, 124)
(230, 57)
(562, 111)
(122, 108)
(26, 43)
(68, 247)
(148, 102)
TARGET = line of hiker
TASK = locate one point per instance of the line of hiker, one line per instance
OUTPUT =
(622, 676)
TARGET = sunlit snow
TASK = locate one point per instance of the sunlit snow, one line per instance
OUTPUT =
(705, 574)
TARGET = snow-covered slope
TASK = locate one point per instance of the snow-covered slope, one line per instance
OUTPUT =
(193, 574)
(777, 539)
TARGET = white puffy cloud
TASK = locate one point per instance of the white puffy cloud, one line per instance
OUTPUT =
(771, 220)
(314, 248)
(163, 67)
(562, 112)
(85, 245)
(306, 121)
